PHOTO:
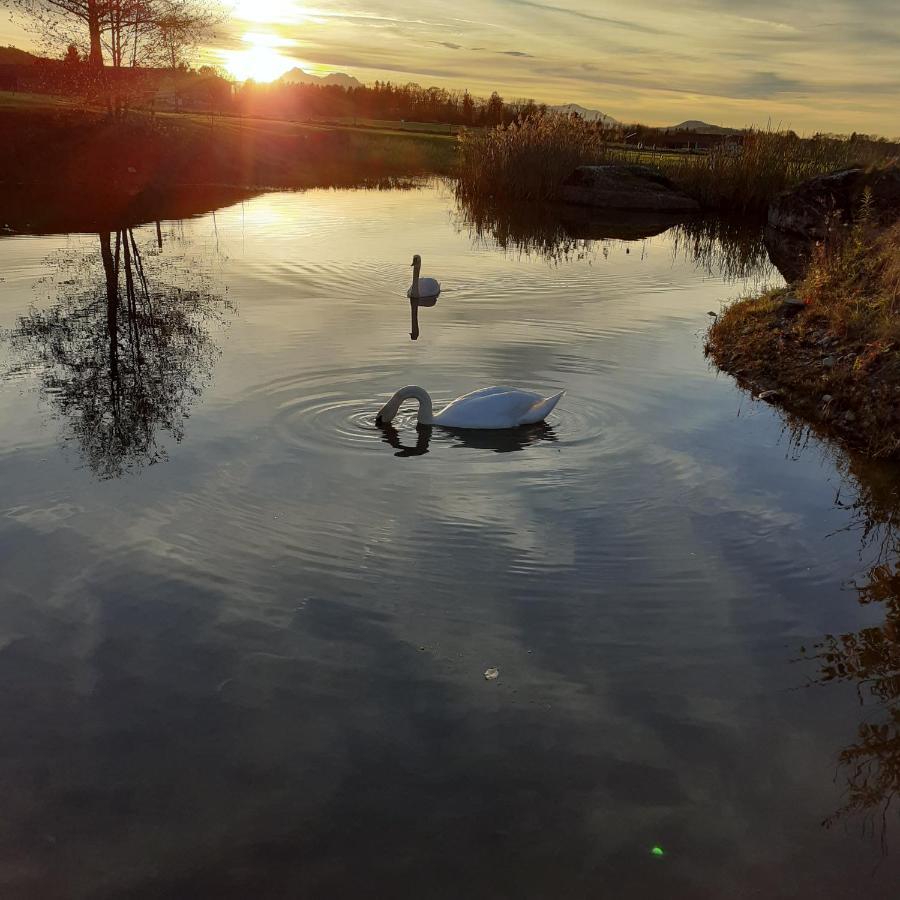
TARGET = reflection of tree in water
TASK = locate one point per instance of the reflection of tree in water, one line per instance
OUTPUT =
(731, 249)
(870, 658)
(123, 352)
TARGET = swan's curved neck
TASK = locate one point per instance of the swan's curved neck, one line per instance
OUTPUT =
(410, 392)
(415, 285)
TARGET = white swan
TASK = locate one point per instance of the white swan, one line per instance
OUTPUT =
(493, 407)
(422, 287)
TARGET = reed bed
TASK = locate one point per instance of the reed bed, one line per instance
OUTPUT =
(529, 160)
(745, 179)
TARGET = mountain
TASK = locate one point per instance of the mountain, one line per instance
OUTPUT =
(591, 115)
(702, 128)
(13, 56)
(298, 76)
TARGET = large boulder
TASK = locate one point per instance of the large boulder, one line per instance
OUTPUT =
(808, 209)
(625, 187)
(800, 217)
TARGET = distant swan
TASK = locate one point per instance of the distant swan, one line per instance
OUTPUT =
(422, 287)
(493, 407)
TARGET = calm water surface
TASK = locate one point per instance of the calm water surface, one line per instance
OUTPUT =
(243, 631)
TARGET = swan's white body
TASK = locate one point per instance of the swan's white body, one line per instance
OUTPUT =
(493, 407)
(422, 288)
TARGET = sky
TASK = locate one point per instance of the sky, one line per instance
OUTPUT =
(810, 65)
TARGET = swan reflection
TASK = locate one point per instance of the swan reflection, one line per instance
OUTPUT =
(414, 306)
(505, 440)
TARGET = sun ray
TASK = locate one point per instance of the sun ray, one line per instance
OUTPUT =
(260, 58)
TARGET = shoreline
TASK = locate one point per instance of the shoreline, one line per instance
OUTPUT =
(843, 387)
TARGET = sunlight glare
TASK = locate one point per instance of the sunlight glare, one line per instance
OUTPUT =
(261, 61)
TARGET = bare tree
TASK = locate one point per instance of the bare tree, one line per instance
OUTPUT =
(125, 32)
(65, 21)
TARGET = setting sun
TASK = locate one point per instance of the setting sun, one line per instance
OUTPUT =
(261, 60)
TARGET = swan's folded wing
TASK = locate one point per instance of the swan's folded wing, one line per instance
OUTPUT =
(494, 407)
(539, 411)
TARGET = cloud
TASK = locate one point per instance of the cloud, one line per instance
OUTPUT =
(578, 14)
(762, 85)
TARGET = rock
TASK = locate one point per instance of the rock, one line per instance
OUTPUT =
(799, 217)
(625, 187)
(790, 306)
(806, 209)
(826, 398)
(768, 395)
(491, 674)
(828, 362)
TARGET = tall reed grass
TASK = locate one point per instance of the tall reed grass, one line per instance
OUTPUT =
(527, 160)
(746, 178)
(530, 160)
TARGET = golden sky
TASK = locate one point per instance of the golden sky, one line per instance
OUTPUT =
(829, 65)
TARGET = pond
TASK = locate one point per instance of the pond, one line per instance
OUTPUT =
(244, 631)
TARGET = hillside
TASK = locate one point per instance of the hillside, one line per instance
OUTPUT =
(13, 56)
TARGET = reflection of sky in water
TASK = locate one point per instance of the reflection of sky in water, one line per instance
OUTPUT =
(261, 659)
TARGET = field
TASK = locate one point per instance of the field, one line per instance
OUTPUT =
(55, 142)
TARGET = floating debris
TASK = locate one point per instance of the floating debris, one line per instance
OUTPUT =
(491, 674)
(657, 851)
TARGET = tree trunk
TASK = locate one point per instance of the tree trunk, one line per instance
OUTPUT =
(95, 57)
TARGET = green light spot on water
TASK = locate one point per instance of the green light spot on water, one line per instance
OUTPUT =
(658, 851)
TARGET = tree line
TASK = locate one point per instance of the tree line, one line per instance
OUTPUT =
(382, 100)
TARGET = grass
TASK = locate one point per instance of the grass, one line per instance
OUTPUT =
(83, 149)
(836, 361)
(530, 160)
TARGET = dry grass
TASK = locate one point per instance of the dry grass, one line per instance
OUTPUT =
(748, 178)
(530, 160)
(837, 362)
(526, 160)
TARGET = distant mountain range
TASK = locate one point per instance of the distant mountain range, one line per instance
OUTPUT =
(702, 128)
(298, 76)
(590, 115)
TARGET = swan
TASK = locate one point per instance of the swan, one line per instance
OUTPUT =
(493, 407)
(422, 287)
